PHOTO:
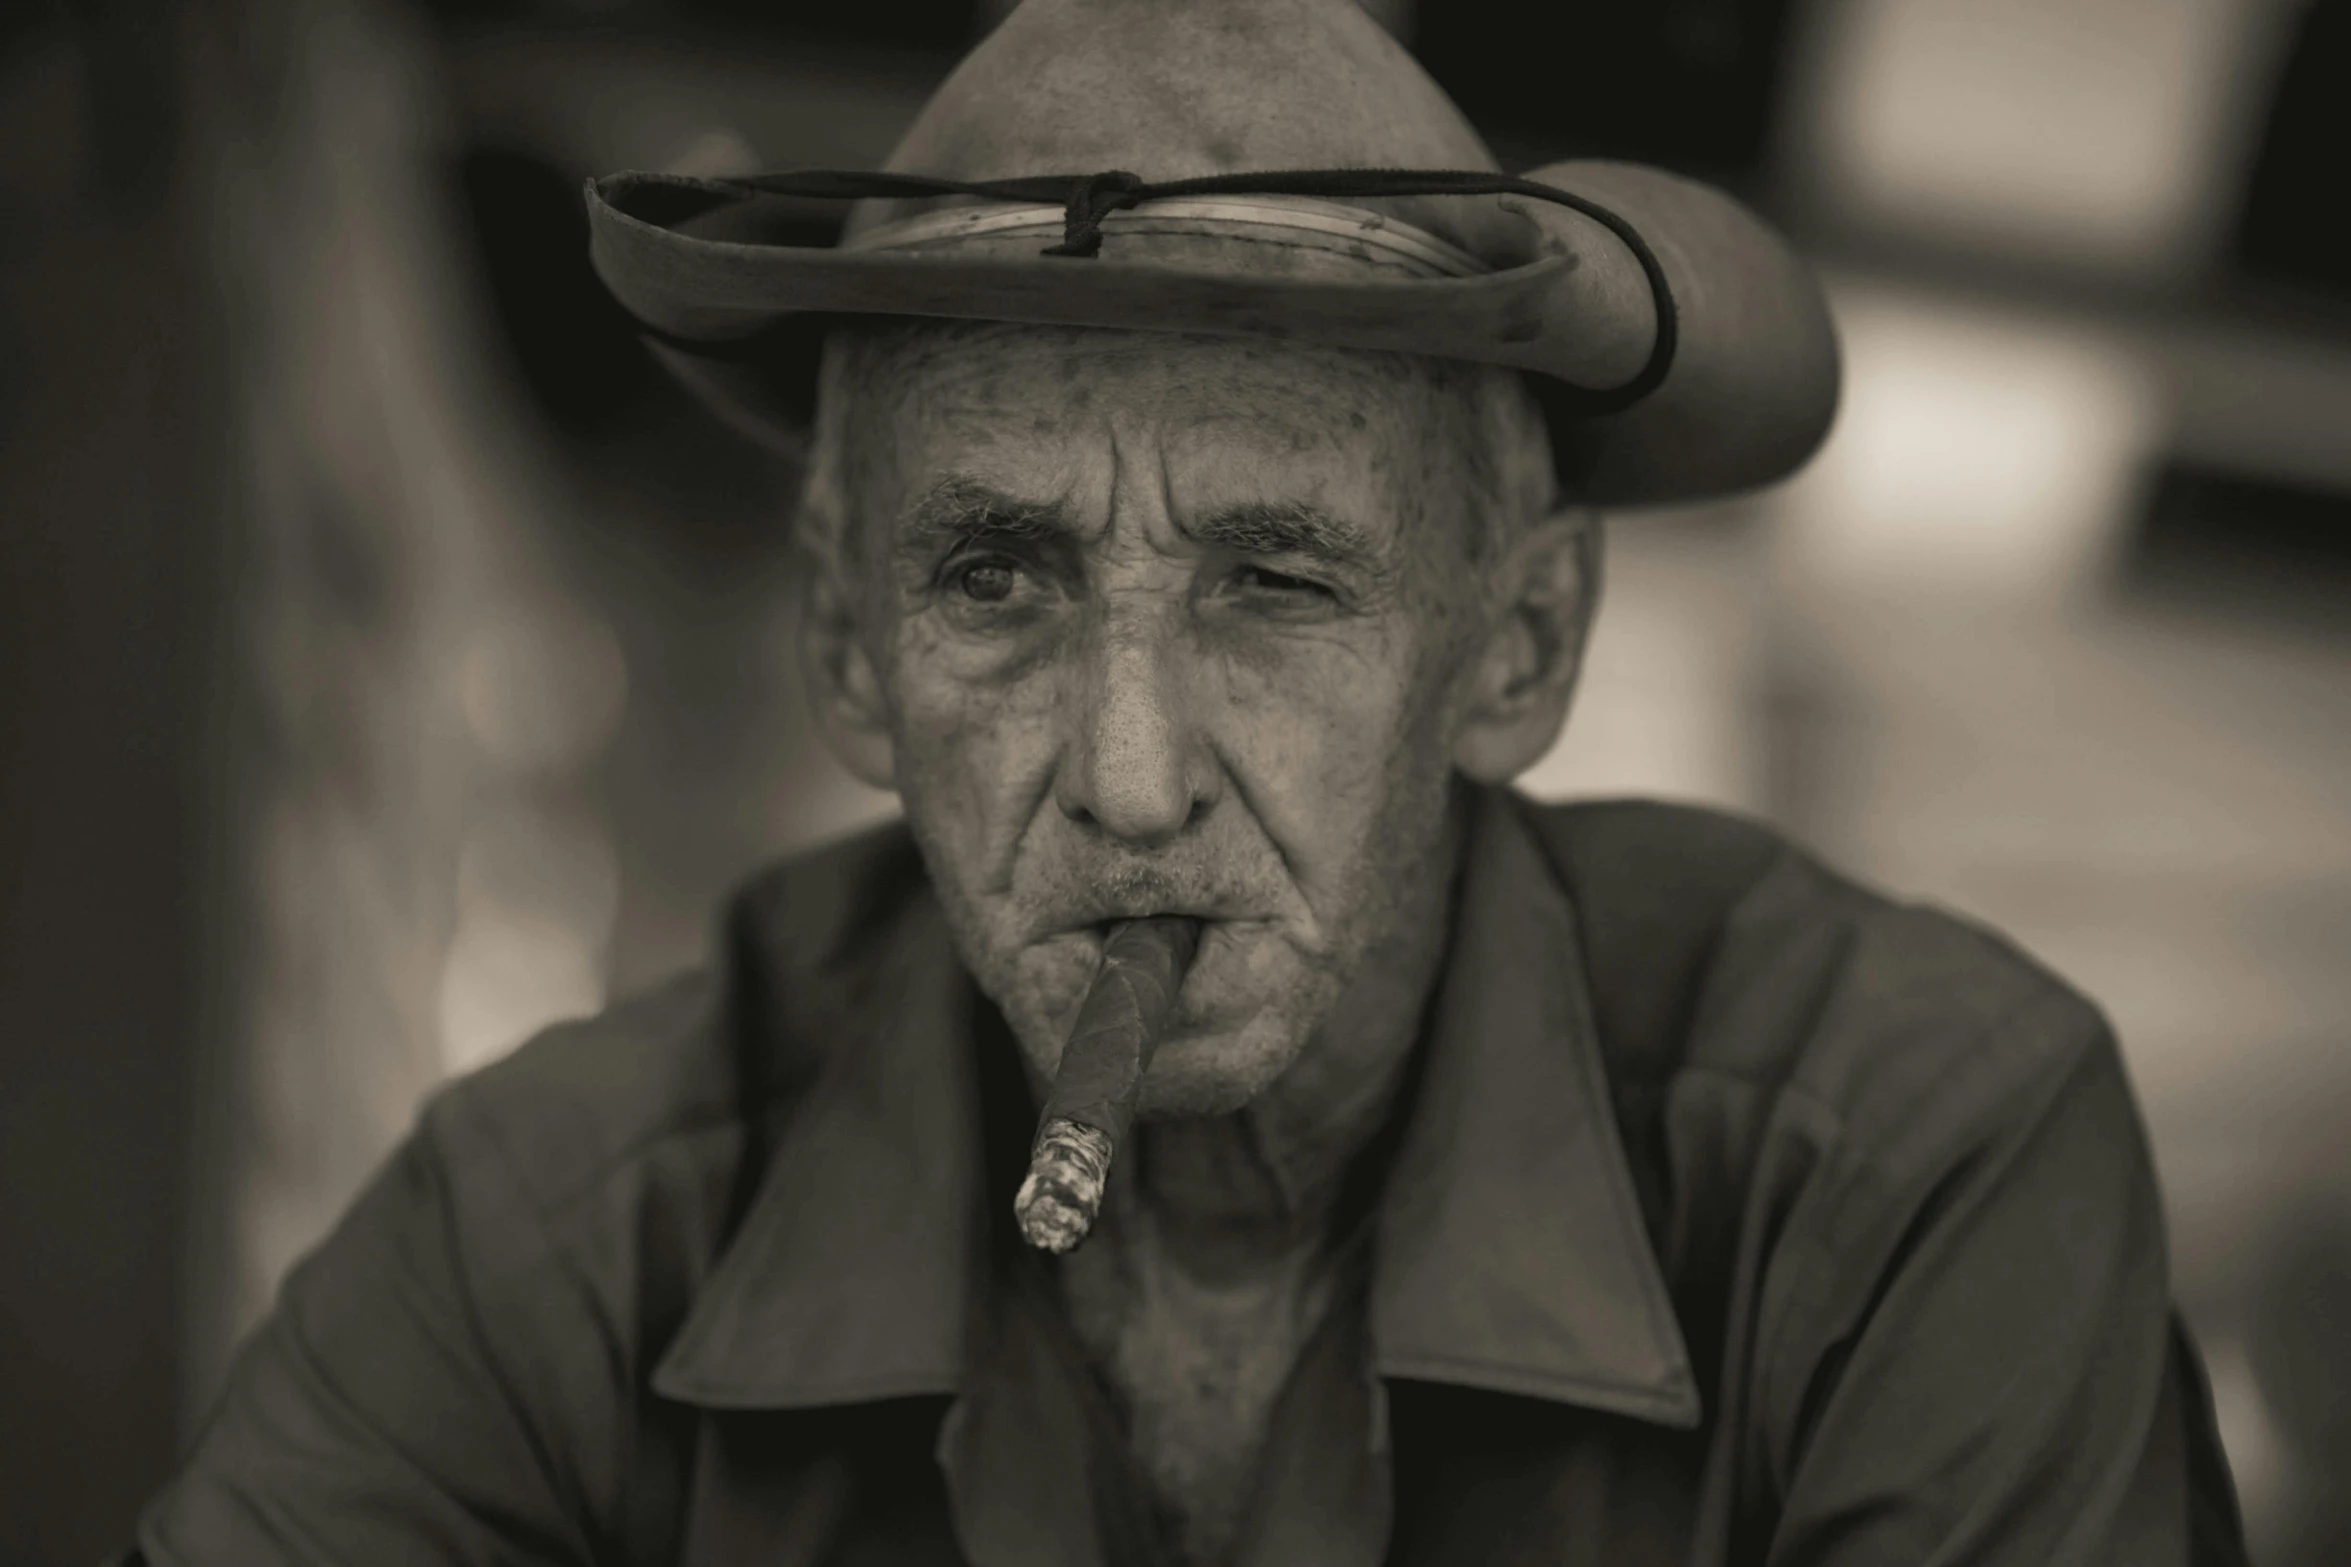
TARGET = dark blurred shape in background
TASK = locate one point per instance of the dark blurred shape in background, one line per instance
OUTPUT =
(1691, 84)
(2207, 534)
(394, 661)
(106, 448)
(2291, 229)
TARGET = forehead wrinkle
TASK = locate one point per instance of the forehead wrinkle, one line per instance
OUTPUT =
(1287, 423)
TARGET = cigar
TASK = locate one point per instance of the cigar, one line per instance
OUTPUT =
(1101, 1072)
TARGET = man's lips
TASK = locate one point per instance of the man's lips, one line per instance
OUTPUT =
(1096, 920)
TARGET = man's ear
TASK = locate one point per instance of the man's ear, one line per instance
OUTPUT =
(844, 688)
(1548, 584)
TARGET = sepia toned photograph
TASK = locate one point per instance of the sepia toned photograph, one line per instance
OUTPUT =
(1175, 783)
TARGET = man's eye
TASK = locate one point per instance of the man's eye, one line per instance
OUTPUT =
(1258, 579)
(986, 581)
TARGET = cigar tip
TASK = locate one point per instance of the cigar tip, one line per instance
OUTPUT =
(1047, 1222)
(1059, 1199)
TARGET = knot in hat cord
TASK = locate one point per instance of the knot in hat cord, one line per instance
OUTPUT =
(1087, 199)
(1093, 198)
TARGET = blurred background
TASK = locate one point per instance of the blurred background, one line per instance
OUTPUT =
(392, 662)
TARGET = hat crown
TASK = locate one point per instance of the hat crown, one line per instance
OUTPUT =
(1170, 89)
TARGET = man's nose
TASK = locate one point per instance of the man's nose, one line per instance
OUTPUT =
(1136, 767)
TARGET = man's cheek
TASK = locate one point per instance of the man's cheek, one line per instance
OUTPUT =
(972, 760)
(1314, 756)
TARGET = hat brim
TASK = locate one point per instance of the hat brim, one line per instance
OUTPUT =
(741, 320)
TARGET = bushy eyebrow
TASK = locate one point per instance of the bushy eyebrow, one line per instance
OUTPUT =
(1285, 528)
(957, 511)
(960, 510)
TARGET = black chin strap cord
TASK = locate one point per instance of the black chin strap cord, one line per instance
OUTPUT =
(1087, 199)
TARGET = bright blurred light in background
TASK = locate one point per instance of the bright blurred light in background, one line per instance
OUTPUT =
(2102, 133)
(1985, 456)
(537, 893)
(542, 683)
(1670, 700)
(1982, 451)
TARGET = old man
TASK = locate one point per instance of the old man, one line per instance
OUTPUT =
(1203, 446)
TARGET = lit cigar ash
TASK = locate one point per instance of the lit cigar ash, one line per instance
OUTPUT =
(1101, 1072)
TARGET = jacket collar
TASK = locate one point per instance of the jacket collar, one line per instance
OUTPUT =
(1511, 1252)
(849, 1277)
(1510, 1249)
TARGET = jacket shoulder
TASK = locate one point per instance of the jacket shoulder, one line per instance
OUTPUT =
(691, 1060)
(1717, 946)
(583, 1098)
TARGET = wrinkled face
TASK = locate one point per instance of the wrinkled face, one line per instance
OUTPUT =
(1166, 625)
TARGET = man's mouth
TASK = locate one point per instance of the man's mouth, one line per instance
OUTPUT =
(1098, 920)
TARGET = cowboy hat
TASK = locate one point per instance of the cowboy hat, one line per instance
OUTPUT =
(1264, 168)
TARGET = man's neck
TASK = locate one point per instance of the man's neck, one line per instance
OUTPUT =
(1222, 1245)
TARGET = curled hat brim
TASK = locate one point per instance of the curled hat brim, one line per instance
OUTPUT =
(720, 277)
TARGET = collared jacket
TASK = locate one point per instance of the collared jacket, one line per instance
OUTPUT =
(1735, 1216)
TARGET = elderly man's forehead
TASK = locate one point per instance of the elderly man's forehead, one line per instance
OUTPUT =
(1388, 441)
(991, 372)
